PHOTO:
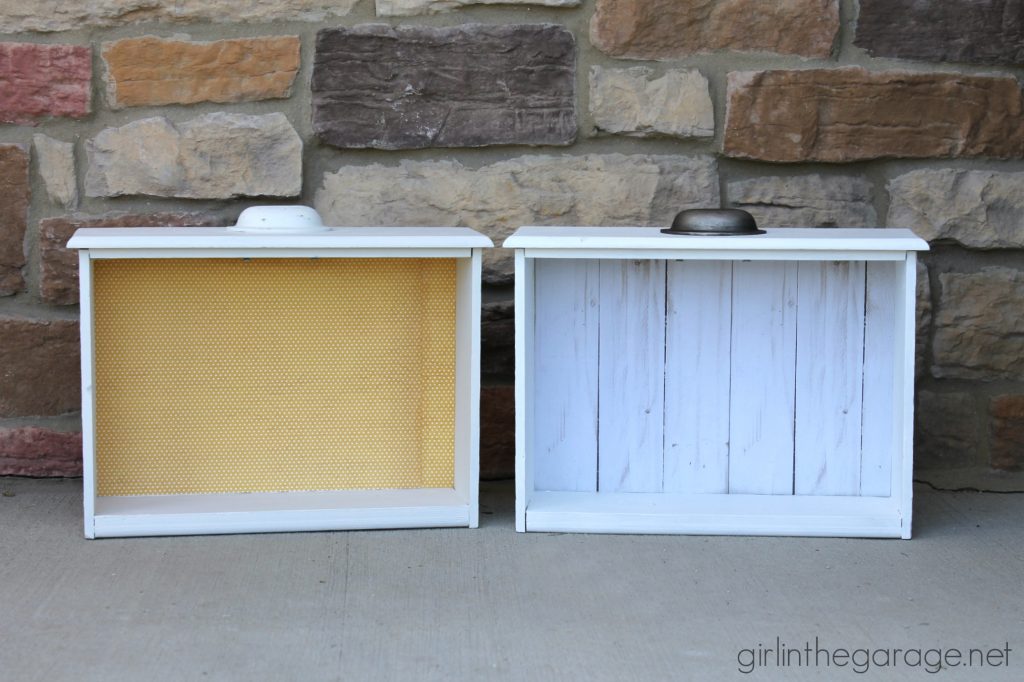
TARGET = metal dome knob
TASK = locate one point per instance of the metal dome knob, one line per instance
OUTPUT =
(714, 221)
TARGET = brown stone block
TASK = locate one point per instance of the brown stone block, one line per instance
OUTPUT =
(947, 434)
(498, 339)
(39, 367)
(15, 193)
(924, 319)
(37, 81)
(472, 85)
(497, 432)
(154, 71)
(1007, 413)
(35, 451)
(58, 271)
(665, 29)
(851, 114)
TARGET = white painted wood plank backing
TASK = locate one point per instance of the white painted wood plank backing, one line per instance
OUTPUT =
(698, 332)
(565, 379)
(829, 381)
(879, 442)
(631, 375)
(763, 374)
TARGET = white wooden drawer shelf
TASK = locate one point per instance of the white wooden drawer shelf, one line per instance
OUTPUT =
(243, 382)
(757, 385)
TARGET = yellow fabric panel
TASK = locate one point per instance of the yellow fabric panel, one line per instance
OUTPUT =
(230, 375)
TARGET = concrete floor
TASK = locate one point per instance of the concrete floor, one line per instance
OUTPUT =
(492, 604)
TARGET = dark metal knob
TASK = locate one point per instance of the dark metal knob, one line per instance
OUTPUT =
(713, 221)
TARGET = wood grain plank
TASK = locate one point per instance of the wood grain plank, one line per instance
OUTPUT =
(763, 359)
(878, 443)
(565, 375)
(631, 375)
(698, 333)
(829, 379)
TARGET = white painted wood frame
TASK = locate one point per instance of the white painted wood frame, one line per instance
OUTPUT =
(88, 394)
(781, 365)
(200, 514)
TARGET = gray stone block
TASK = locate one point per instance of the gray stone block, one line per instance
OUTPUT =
(473, 85)
(973, 31)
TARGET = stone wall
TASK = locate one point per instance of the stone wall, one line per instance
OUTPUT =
(497, 113)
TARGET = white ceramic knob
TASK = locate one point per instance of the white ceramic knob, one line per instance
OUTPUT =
(279, 220)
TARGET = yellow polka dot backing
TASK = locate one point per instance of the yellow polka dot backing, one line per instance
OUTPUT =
(230, 375)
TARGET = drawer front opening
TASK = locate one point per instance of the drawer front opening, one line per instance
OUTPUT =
(718, 377)
(274, 375)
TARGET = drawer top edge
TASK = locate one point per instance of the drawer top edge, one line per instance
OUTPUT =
(774, 239)
(223, 238)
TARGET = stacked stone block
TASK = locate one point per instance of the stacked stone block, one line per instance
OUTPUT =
(497, 113)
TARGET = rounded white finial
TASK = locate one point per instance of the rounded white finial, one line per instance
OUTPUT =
(279, 219)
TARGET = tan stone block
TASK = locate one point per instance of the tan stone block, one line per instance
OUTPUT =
(55, 161)
(806, 200)
(405, 8)
(60, 15)
(216, 156)
(596, 189)
(638, 103)
(979, 329)
(974, 208)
